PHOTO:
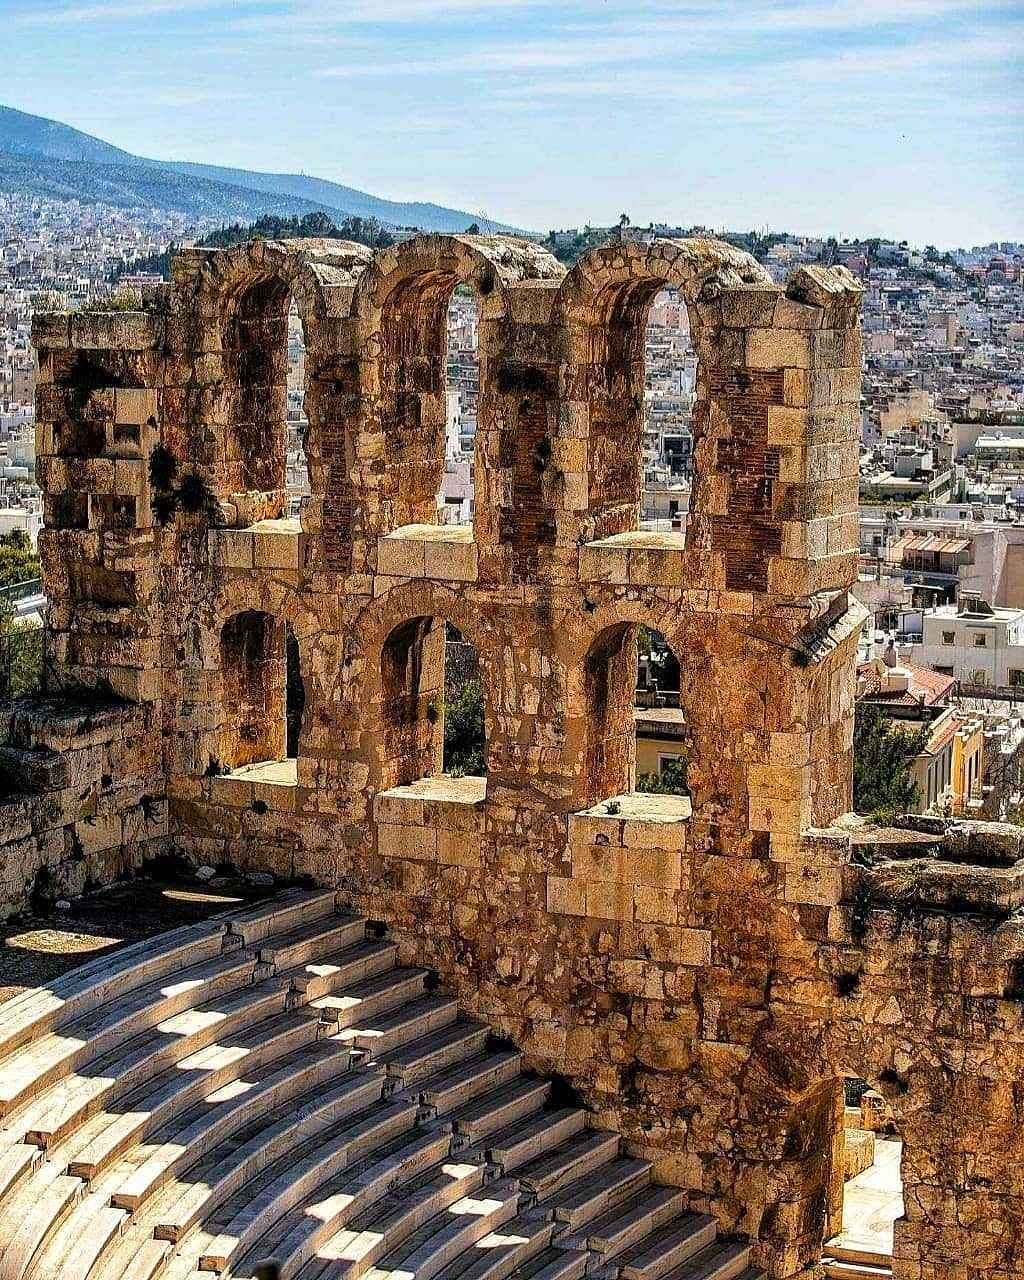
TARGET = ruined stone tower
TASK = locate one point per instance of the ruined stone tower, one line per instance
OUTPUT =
(704, 970)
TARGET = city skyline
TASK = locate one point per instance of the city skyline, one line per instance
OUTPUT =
(903, 119)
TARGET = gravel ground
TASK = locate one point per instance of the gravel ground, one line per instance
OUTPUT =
(35, 948)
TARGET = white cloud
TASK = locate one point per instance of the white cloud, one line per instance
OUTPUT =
(761, 18)
(115, 10)
(648, 76)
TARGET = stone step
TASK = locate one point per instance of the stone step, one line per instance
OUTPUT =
(147, 1261)
(287, 911)
(17, 1162)
(500, 1108)
(536, 1137)
(30, 1069)
(435, 1052)
(40, 1209)
(109, 1134)
(205, 1188)
(443, 1239)
(580, 1156)
(220, 1114)
(393, 1220)
(668, 1247)
(838, 1269)
(54, 1197)
(29, 1015)
(469, 1079)
(289, 1182)
(74, 1250)
(72, 1100)
(110, 978)
(371, 996)
(598, 1192)
(554, 1264)
(309, 940)
(319, 979)
(720, 1261)
(500, 1253)
(629, 1222)
(853, 1253)
(380, 1036)
(301, 1233)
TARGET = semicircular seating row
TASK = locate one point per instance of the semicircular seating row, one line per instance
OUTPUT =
(274, 1083)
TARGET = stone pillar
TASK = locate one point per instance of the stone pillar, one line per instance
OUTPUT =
(523, 469)
(98, 410)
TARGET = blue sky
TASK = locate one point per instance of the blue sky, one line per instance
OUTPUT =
(857, 117)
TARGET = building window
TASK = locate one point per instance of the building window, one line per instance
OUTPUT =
(949, 637)
(980, 640)
(943, 671)
(1016, 676)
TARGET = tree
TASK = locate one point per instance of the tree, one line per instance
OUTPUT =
(21, 654)
(671, 781)
(473, 229)
(883, 752)
(18, 562)
(464, 731)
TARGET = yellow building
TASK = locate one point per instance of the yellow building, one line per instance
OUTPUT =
(968, 765)
(660, 734)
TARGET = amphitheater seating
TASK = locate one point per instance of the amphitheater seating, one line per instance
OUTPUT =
(275, 1084)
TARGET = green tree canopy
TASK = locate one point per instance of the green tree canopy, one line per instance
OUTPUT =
(464, 731)
(671, 781)
(18, 562)
(883, 753)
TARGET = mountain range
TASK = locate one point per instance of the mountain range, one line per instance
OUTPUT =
(45, 158)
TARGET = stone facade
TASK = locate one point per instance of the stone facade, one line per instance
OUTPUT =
(704, 971)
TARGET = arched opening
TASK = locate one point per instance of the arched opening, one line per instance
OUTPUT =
(670, 390)
(264, 359)
(660, 725)
(430, 385)
(642, 388)
(635, 731)
(866, 1188)
(263, 693)
(456, 499)
(432, 706)
(297, 476)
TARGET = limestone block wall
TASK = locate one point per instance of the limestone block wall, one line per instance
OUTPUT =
(82, 798)
(704, 970)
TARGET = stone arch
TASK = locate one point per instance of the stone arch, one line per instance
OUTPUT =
(394, 752)
(947, 1110)
(604, 302)
(291, 612)
(247, 291)
(253, 689)
(601, 740)
(401, 306)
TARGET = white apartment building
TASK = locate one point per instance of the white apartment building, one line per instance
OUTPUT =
(973, 641)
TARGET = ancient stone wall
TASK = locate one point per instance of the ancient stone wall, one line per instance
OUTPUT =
(82, 798)
(705, 969)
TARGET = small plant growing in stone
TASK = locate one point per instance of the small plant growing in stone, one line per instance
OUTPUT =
(194, 494)
(119, 300)
(163, 467)
(613, 807)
